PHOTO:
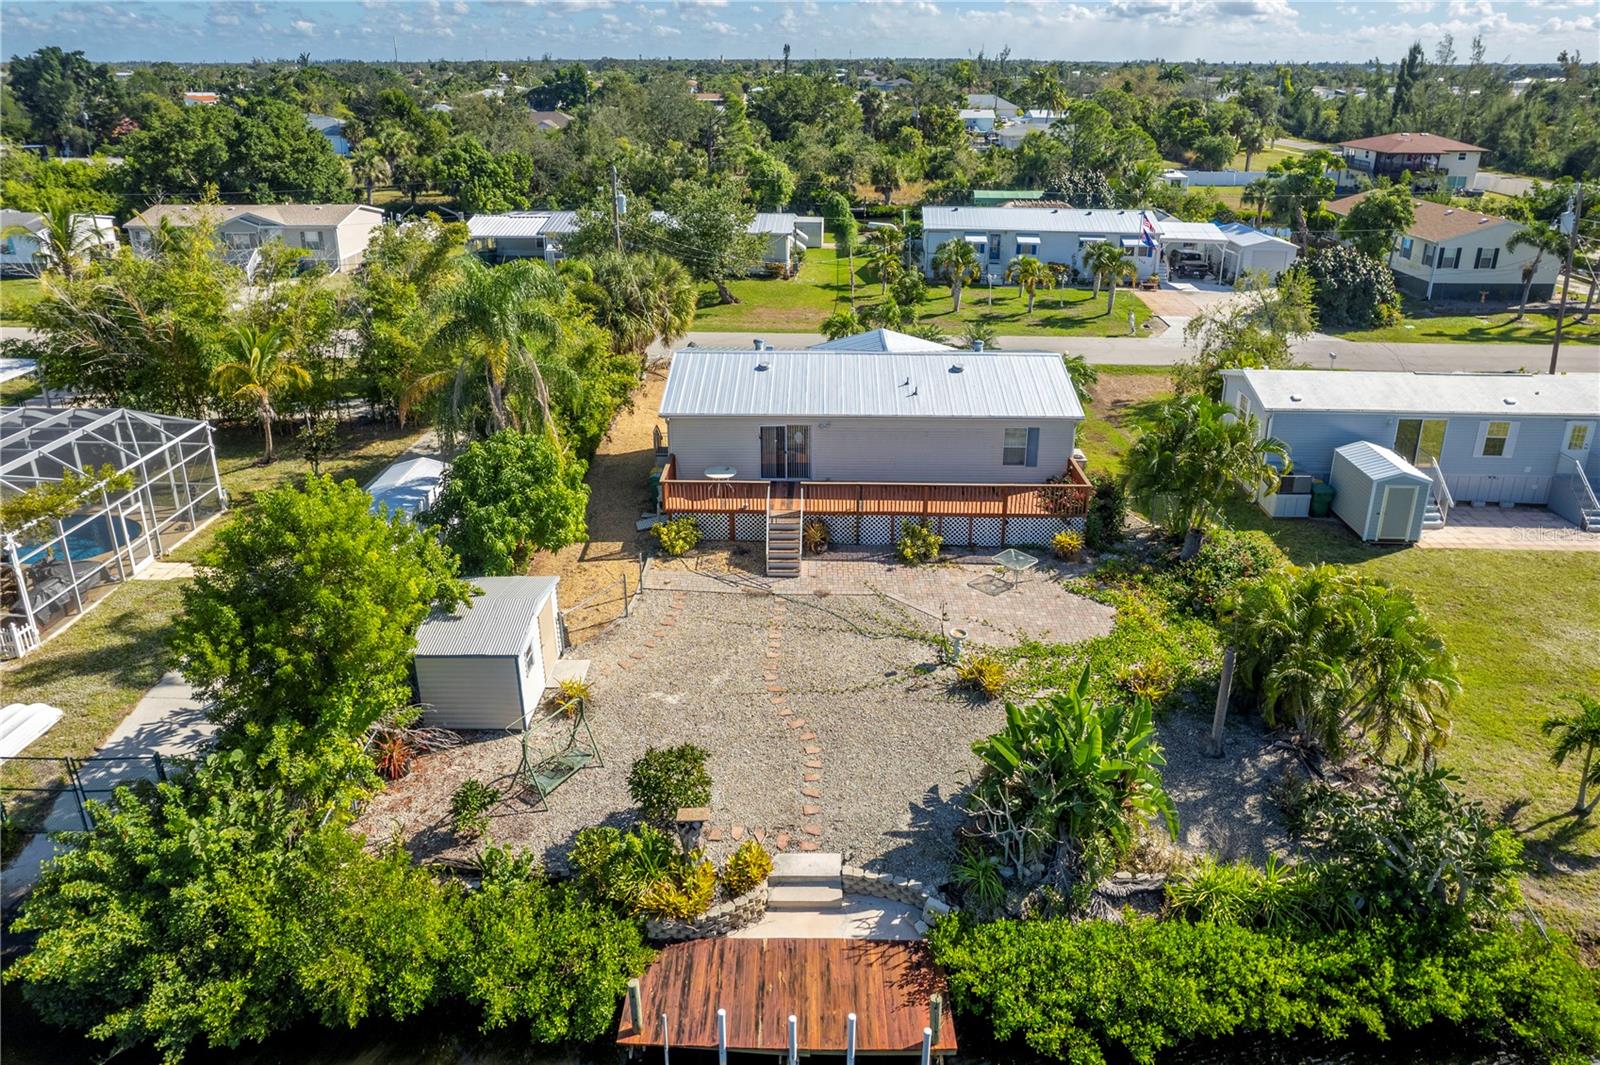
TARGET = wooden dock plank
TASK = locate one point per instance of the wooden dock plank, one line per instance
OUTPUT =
(760, 982)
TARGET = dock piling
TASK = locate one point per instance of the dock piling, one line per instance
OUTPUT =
(794, 1040)
(722, 1036)
(927, 1045)
(666, 1037)
(850, 1040)
(936, 1015)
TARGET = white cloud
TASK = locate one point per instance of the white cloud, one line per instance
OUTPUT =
(304, 26)
(1415, 7)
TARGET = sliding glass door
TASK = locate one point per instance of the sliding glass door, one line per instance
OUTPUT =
(1419, 441)
(785, 452)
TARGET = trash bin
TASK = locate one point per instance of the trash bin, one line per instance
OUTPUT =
(655, 486)
(1321, 499)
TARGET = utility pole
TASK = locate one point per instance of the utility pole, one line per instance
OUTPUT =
(616, 208)
(1566, 279)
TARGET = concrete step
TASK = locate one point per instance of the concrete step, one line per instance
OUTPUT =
(790, 897)
(803, 868)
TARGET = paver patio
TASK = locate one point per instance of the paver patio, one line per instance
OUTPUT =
(1514, 529)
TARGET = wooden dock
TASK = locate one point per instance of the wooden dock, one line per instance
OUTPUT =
(761, 982)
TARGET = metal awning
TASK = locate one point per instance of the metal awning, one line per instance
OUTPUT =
(977, 238)
(1027, 240)
(1091, 240)
(22, 723)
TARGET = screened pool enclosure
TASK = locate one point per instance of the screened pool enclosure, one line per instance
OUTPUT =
(53, 570)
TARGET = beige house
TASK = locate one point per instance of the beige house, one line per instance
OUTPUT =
(335, 234)
(1453, 254)
(1423, 155)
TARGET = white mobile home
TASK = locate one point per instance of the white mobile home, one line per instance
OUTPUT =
(333, 234)
(1053, 234)
(20, 238)
(1482, 439)
(542, 234)
(487, 664)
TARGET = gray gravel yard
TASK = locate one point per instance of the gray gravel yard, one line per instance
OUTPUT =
(829, 728)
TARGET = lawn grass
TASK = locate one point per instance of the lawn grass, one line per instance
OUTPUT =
(99, 668)
(1121, 395)
(1421, 327)
(17, 294)
(800, 304)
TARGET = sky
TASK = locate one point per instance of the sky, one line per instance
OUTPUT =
(1230, 30)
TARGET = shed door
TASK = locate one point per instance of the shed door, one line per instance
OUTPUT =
(1399, 506)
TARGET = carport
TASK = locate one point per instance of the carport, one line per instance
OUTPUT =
(1202, 237)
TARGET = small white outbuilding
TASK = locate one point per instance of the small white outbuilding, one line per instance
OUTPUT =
(486, 666)
(1379, 494)
(408, 486)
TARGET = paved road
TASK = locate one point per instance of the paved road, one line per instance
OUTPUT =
(1169, 348)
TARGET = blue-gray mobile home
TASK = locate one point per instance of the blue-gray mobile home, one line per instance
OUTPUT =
(1482, 439)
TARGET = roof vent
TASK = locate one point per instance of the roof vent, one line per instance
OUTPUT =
(956, 367)
(762, 366)
(977, 345)
(1510, 401)
(1295, 397)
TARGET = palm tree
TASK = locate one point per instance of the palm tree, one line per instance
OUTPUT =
(1138, 183)
(1544, 239)
(637, 298)
(495, 321)
(369, 167)
(841, 323)
(1408, 679)
(1257, 194)
(1578, 732)
(1028, 273)
(1084, 375)
(258, 370)
(1107, 262)
(956, 262)
(65, 240)
(1196, 453)
(885, 255)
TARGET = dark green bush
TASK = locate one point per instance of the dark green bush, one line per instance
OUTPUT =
(1352, 290)
(1226, 559)
(917, 543)
(1086, 991)
(1108, 512)
(666, 779)
(469, 808)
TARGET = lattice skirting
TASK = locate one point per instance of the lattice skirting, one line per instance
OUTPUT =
(750, 526)
(882, 530)
(746, 525)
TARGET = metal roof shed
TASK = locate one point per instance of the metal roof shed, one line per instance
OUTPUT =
(486, 665)
(408, 487)
(1378, 494)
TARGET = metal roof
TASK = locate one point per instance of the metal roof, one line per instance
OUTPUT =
(1174, 229)
(1378, 463)
(869, 384)
(496, 624)
(1035, 219)
(22, 723)
(1243, 236)
(775, 222)
(881, 340)
(283, 214)
(514, 224)
(1505, 395)
(408, 486)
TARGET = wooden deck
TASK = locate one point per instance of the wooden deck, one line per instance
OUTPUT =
(760, 982)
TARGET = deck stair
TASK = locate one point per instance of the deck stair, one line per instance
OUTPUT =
(805, 882)
(1432, 516)
(1591, 519)
(1437, 509)
(784, 522)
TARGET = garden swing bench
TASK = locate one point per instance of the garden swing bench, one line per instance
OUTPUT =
(546, 772)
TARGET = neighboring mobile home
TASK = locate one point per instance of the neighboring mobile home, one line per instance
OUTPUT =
(19, 241)
(333, 234)
(487, 664)
(1054, 234)
(541, 235)
(1482, 439)
(869, 431)
(1449, 253)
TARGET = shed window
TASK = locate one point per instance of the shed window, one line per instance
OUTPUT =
(530, 657)
(1021, 448)
(1486, 259)
(1461, 156)
(1495, 439)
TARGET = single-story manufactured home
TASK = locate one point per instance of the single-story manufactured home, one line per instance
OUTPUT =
(19, 239)
(868, 435)
(1054, 234)
(486, 664)
(333, 234)
(1481, 438)
(1451, 253)
(541, 235)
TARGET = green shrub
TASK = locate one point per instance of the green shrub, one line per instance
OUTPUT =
(1277, 897)
(983, 675)
(667, 779)
(917, 543)
(683, 895)
(1226, 560)
(747, 867)
(469, 808)
(1092, 990)
(1067, 544)
(978, 877)
(644, 872)
(676, 536)
(815, 536)
(1108, 513)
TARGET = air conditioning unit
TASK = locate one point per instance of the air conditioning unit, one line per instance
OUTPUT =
(1294, 484)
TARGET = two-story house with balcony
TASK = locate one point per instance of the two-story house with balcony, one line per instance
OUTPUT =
(1431, 160)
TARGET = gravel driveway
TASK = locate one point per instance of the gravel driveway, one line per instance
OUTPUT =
(829, 726)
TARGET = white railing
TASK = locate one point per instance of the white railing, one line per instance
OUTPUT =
(1441, 489)
(1581, 486)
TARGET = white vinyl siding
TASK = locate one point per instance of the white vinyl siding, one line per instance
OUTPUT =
(930, 450)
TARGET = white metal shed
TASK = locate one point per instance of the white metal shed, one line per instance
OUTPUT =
(1379, 494)
(486, 666)
(408, 486)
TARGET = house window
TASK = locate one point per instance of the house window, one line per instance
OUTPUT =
(311, 238)
(1495, 440)
(8, 246)
(1419, 440)
(1427, 254)
(1462, 156)
(1486, 259)
(1406, 244)
(1021, 448)
(1450, 259)
(1578, 437)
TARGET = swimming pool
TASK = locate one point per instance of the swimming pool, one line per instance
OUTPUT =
(97, 536)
